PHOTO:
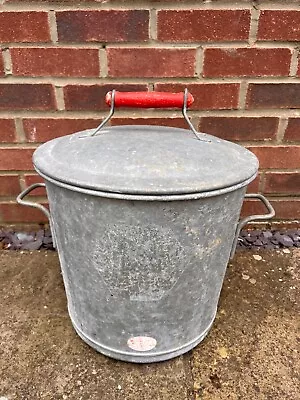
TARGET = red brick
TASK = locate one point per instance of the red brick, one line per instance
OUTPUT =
(2, 73)
(151, 62)
(282, 182)
(15, 159)
(55, 62)
(270, 95)
(208, 96)
(277, 156)
(298, 69)
(287, 208)
(9, 185)
(173, 122)
(240, 128)
(92, 97)
(253, 186)
(252, 207)
(283, 25)
(12, 212)
(203, 25)
(246, 62)
(284, 208)
(44, 129)
(7, 131)
(103, 25)
(27, 97)
(31, 179)
(292, 132)
(24, 26)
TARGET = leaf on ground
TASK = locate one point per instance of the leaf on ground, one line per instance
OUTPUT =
(223, 352)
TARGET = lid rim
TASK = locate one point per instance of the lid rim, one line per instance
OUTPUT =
(144, 196)
(119, 161)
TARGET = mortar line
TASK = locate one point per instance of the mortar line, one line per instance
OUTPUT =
(197, 5)
(250, 143)
(7, 61)
(103, 63)
(21, 145)
(59, 94)
(261, 184)
(294, 62)
(152, 43)
(151, 88)
(21, 137)
(53, 26)
(199, 62)
(10, 173)
(242, 95)
(22, 181)
(278, 5)
(282, 125)
(138, 4)
(86, 114)
(255, 12)
(195, 122)
(153, 24)
(86, 81)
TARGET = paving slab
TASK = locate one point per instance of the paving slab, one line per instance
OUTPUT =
(41, 356)
(252, 351)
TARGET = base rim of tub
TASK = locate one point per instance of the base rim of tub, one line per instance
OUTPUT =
(141, 357)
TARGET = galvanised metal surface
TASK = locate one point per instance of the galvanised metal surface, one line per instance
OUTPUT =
(145, 219)
(147, 160)
(143, 278)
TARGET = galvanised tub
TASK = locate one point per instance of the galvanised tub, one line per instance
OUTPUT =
(145, 219)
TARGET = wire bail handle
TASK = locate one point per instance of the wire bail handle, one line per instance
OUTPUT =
(148, 103)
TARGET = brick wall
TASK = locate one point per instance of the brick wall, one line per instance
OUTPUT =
(238, 58)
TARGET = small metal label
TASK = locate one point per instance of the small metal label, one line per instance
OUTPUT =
(141, 343)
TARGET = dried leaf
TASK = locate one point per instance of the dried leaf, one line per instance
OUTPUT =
(223, 352)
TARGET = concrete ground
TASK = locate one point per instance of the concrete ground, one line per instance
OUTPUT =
(252, 351)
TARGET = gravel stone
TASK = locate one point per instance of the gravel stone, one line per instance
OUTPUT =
(253, 240)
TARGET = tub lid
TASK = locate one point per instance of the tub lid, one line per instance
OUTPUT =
(145, 160)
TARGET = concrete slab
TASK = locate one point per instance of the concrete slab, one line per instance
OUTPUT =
(252, 351)
(41, 356)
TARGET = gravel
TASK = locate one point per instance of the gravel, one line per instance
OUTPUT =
(258, 239)
(11, 240)
(251, 239)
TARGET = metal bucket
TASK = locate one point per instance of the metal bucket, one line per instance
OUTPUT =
(143, 268)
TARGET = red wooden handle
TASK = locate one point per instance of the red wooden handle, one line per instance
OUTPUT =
(149, 99)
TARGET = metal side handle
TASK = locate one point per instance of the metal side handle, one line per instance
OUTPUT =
(36, 205)
(244, 221)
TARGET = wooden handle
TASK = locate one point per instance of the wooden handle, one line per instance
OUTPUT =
(149, 99)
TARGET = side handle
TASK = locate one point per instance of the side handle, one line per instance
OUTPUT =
(36, 205)
(244, 221)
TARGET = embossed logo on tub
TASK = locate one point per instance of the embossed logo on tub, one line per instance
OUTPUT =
(143, 264)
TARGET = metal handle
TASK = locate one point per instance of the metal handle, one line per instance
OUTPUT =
(244, 221)
(149, 100)
(36, 205)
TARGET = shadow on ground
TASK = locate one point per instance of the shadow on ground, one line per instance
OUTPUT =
(252, 351)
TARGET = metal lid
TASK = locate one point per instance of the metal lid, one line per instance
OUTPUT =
(145, 160)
